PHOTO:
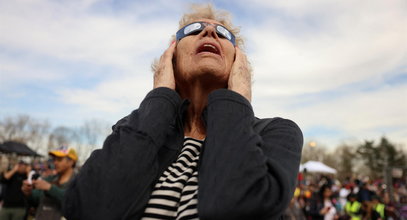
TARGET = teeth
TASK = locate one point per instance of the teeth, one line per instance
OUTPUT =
(209, 45)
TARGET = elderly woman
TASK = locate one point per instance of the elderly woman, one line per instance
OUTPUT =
(193, 149)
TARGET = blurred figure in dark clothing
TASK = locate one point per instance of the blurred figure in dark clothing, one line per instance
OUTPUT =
(365, 197)
(14, 202)
(322, 205)
(364, 193)
(377, 209)
(391, 210)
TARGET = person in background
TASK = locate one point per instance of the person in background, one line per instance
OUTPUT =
(47, 194)
(364, 194)
(13, 198)
(391, 210)
(322, 206)
(309, 196)
(343, 194)
(353, 208)
(377, 209)
(294, 210)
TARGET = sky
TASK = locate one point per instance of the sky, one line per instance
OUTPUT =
(338, 68)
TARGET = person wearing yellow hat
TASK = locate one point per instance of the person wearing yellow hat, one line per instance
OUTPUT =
(47, 194)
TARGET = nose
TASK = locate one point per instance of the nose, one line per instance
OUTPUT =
(209, 31)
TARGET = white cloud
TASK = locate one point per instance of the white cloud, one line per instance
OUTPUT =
(111, 96)
(342, 47)
(307, 48)
(362, 115)
(69, 32)
(15, 71)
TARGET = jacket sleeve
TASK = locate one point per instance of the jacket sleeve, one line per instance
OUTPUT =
(56, 192)
(245, 175)
(315, 207)
(35, 197)
(112, 182)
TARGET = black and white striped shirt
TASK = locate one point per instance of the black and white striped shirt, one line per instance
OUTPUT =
(175, 195)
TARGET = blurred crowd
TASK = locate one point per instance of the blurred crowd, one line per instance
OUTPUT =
(326, 198)
(35, 190)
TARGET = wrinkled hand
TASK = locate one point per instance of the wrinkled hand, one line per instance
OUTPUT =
(164, 74)
(240, 79)
(26, 188)
(41, 184)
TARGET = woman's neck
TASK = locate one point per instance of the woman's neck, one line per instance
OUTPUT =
(198, 95)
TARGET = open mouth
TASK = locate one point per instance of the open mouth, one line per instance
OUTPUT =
(208, 47)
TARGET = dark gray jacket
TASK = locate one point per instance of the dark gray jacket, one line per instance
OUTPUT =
(243, 174)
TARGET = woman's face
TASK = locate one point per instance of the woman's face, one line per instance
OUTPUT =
(204, 56)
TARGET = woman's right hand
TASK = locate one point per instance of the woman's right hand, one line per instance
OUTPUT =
(164, 74)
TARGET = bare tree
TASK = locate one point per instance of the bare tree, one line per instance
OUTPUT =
(15, 129)
(380, 156)
(346, 164)
(93, 132)
(331, 159)
(23, 128)
(62, 136)
(312, 151)
(38, 134)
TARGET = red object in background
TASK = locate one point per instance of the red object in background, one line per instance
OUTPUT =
(300, 177)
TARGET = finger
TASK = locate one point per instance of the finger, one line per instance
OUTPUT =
(237, 50)
(239, 53)
(164, 74)
(169, 53)
(241, 56)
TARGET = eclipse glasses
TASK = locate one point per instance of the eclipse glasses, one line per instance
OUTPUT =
(196, 28)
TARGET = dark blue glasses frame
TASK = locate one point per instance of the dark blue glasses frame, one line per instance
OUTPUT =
(197, 27)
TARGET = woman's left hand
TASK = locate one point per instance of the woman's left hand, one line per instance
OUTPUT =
(240, 79)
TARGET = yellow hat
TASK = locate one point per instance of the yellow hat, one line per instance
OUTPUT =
(297, 192)
(65, 152)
